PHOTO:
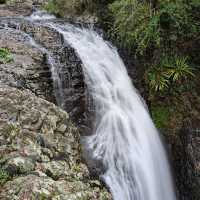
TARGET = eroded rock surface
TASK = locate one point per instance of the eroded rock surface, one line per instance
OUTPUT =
(40, 151)
(28, 69)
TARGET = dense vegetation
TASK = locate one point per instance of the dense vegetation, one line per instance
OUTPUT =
(164, 36)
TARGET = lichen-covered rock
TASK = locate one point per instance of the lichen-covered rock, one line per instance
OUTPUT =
(39, 149)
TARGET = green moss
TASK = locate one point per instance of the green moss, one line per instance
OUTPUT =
(51, 7)
(4, 176)
(5, 56)
(161, 116)
(63, 7)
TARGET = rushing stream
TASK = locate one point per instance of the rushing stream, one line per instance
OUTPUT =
(125, 138)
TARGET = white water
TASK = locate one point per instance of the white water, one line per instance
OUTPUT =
(41, 15)
(125, 138)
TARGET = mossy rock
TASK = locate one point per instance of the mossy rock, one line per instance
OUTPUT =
(160, 115)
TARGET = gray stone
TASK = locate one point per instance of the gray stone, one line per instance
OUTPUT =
(43, 161)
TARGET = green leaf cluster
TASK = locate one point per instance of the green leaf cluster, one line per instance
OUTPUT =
(170, 71)
(5, 56)
(4, 176)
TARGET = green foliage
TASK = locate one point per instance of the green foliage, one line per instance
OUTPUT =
(5, 56)
(66, 7)
(135, 24)
(169, 71)
(160, 116)
(157, 79)
(178, 69)
(4, 176)
(195, 3)
(142, 25)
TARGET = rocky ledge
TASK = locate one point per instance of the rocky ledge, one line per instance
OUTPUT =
(28, 68)
(40, 151)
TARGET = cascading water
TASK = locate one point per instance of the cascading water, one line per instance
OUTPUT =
(125, 138)
(40, 15)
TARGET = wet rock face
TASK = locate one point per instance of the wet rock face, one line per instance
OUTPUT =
(28, 69)
(191, 144)
(184, 150)
(68, 67)
(39, 150)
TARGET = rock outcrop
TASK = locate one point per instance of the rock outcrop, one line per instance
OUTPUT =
(68, 65)
(40, 151)
(29, 69)
(184, 151)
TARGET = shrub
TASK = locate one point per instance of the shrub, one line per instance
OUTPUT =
(5, 56)
(178, 68)
(135, 24)
(51, 7)
(141, 25)
(169, 71)
(4, 176)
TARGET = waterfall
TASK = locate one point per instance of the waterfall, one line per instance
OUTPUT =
(124, 137)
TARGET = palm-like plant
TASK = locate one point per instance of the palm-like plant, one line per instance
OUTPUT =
(167, 72)
(179, 69)
(158, 80)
